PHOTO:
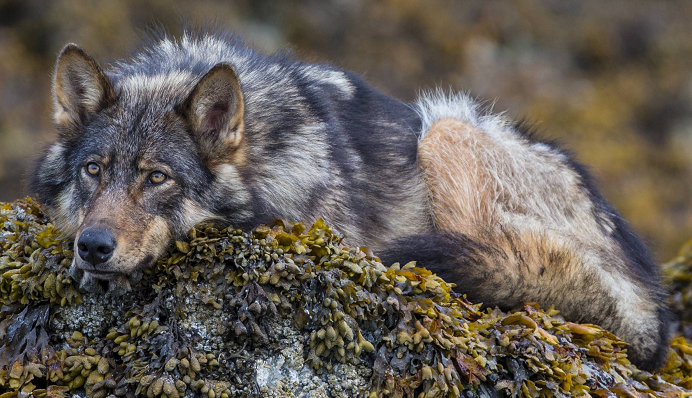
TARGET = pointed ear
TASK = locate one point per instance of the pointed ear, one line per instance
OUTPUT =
(80, 88)
(215, 111)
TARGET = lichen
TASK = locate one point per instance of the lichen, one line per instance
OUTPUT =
(224, 308)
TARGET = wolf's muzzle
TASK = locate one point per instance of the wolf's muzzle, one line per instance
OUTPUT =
(96, 246)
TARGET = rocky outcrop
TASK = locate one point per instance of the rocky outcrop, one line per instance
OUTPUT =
(288, 311)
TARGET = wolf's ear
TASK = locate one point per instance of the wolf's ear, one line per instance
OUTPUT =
(215, 110)
(80, 87)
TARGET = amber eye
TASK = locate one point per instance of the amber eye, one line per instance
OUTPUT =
(93, 169)
(157, 177)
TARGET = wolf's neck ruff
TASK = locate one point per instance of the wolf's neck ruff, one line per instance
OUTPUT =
(205, 128)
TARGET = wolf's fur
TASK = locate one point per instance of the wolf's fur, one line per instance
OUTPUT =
(245, 138)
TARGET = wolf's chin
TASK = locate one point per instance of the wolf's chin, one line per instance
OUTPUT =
(115, 284)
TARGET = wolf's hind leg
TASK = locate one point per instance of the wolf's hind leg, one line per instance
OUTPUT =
(530, 227)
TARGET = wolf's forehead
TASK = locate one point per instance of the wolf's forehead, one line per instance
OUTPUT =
(142, 128)
(162, 88)
(146, 103)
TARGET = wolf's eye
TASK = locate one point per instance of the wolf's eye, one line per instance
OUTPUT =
(93, 169)
(157, 177)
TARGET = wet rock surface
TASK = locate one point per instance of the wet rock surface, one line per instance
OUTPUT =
(286, 311)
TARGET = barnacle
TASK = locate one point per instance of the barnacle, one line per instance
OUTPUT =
(206, 320)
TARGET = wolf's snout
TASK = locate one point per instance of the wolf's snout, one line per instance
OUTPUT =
(96, 246)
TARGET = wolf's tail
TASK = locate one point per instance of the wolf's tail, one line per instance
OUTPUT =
(518, 220)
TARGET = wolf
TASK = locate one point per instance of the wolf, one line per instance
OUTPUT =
(204, 128)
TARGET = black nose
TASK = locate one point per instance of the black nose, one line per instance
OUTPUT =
(96, 246)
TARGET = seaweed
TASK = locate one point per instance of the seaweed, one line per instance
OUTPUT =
(233, 313)
(678, 275)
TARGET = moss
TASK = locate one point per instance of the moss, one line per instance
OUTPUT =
(195, 322)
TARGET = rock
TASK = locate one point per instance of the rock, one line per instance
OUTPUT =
(285, 312)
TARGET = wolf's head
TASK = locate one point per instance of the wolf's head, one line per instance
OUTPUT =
(139, 160)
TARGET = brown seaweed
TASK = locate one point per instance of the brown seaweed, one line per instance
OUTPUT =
(196, 323)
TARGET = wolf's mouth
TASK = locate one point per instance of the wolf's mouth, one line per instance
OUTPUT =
(82, 267)
(110, 274)
(106, 274)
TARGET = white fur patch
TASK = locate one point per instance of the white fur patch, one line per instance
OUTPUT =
(433, 106)
(195, 214)
(54, 153)
(67, 220)
(156, 83)
(227, 176)
(333, 77)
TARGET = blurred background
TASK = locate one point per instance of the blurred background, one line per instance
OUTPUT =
(611, 80)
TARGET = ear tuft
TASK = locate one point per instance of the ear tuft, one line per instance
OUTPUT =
(215, 111)
(80, 87)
